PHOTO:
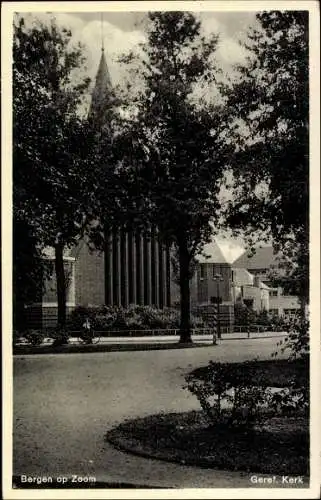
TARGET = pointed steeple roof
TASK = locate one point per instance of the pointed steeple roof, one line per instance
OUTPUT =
(102, 95)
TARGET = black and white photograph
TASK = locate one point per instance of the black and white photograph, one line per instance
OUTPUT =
(161, 281)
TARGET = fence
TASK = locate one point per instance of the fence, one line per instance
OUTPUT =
(46, 318)
(252, 328)
(170, 332)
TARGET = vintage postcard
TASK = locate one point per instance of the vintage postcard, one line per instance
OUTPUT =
(161, 257)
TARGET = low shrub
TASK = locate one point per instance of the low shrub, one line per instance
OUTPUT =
(135, 317)
(290, 400)
(227, 394)
(60, 336)
(237, 395)
(34, 337)
(246, 316)
(297, 341)
(79, 315)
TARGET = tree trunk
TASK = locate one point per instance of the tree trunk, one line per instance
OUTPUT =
(61, 286)
(184, 284)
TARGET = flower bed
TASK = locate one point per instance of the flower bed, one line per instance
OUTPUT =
(245, 424)
(278, 446)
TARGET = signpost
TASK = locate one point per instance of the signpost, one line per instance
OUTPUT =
(217, 301)
(211, 317)
(249, 305)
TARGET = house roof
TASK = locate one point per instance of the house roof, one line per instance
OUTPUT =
(241, 277)
(214, 254)
(263, 258)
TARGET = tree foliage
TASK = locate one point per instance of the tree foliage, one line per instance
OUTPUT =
(176, 147)
(270, 105)
(52, 143)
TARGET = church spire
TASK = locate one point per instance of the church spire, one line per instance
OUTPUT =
(102, 95)
(102, 31)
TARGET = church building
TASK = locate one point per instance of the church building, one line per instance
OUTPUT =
(133, 268)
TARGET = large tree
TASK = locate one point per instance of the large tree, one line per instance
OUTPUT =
(270, 105)
(52, 144)
(176, 153)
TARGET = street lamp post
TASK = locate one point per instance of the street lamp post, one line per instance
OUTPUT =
(218, 278)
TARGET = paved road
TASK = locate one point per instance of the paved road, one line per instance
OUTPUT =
(64, 404)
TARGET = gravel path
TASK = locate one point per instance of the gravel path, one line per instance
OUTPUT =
(64, 404)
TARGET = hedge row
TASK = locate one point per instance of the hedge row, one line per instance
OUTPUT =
(135, 317)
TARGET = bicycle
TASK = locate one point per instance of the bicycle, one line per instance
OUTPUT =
(88, 335)
(34, 337)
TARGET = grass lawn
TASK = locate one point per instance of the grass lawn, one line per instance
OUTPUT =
(277, 445)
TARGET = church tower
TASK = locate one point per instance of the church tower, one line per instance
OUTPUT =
(136, 267)
(102, 98)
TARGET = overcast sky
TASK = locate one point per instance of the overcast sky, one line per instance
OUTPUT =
(122, 31)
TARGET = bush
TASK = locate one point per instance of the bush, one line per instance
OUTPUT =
(34, 337)
(246, 316)
(238, 394)
(276, 323)
(135, 317)
(243, 315)
(295, 396)
(290, 400)
(79, 315)
(297, 339)
(60, 336)
(225, 384)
